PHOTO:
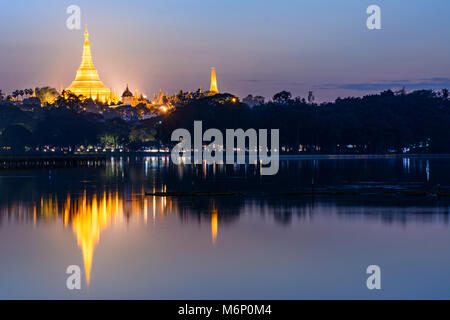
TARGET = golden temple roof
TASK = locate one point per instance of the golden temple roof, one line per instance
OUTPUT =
(127, 93)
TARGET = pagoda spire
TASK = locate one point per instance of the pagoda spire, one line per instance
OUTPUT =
(213, 88)
(86, 61)
(87, 78)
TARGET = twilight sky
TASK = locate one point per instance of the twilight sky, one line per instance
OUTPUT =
(257, 46)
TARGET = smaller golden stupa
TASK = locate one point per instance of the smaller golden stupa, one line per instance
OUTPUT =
(213, 89)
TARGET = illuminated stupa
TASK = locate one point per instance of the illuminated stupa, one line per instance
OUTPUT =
(87, 82)
(213, 89)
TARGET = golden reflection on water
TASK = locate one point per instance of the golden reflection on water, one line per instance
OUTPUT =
(214, 225)
(90, 218)
(89, 215)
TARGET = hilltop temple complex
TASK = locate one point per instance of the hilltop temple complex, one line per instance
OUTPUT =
(87, 83)
(128, 98)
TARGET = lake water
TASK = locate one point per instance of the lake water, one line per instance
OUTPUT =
(262, 244)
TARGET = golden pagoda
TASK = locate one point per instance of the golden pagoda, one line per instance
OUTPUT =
(213, 88)
(87, 81)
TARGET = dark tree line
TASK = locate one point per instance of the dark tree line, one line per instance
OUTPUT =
(60, 127)
(372, 124)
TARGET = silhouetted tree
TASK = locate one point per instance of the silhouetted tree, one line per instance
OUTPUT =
(282, 97)
(47, 94)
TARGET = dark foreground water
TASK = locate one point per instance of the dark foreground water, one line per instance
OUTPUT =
(261, 245)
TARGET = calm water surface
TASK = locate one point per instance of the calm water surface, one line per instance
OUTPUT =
(262, 245)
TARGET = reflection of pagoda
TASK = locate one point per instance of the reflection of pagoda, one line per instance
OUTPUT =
(87, 81)
(90, 220)
(90, 214)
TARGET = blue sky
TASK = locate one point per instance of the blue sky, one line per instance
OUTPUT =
(257, 46)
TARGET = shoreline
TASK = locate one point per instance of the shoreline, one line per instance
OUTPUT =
(101, 156)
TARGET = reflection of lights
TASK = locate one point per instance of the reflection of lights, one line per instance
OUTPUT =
(89, 215)
(214, 225)
(145, 211)
(154, 208)
(406, 164)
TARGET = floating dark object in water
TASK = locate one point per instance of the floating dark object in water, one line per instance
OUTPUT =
(192, 194)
